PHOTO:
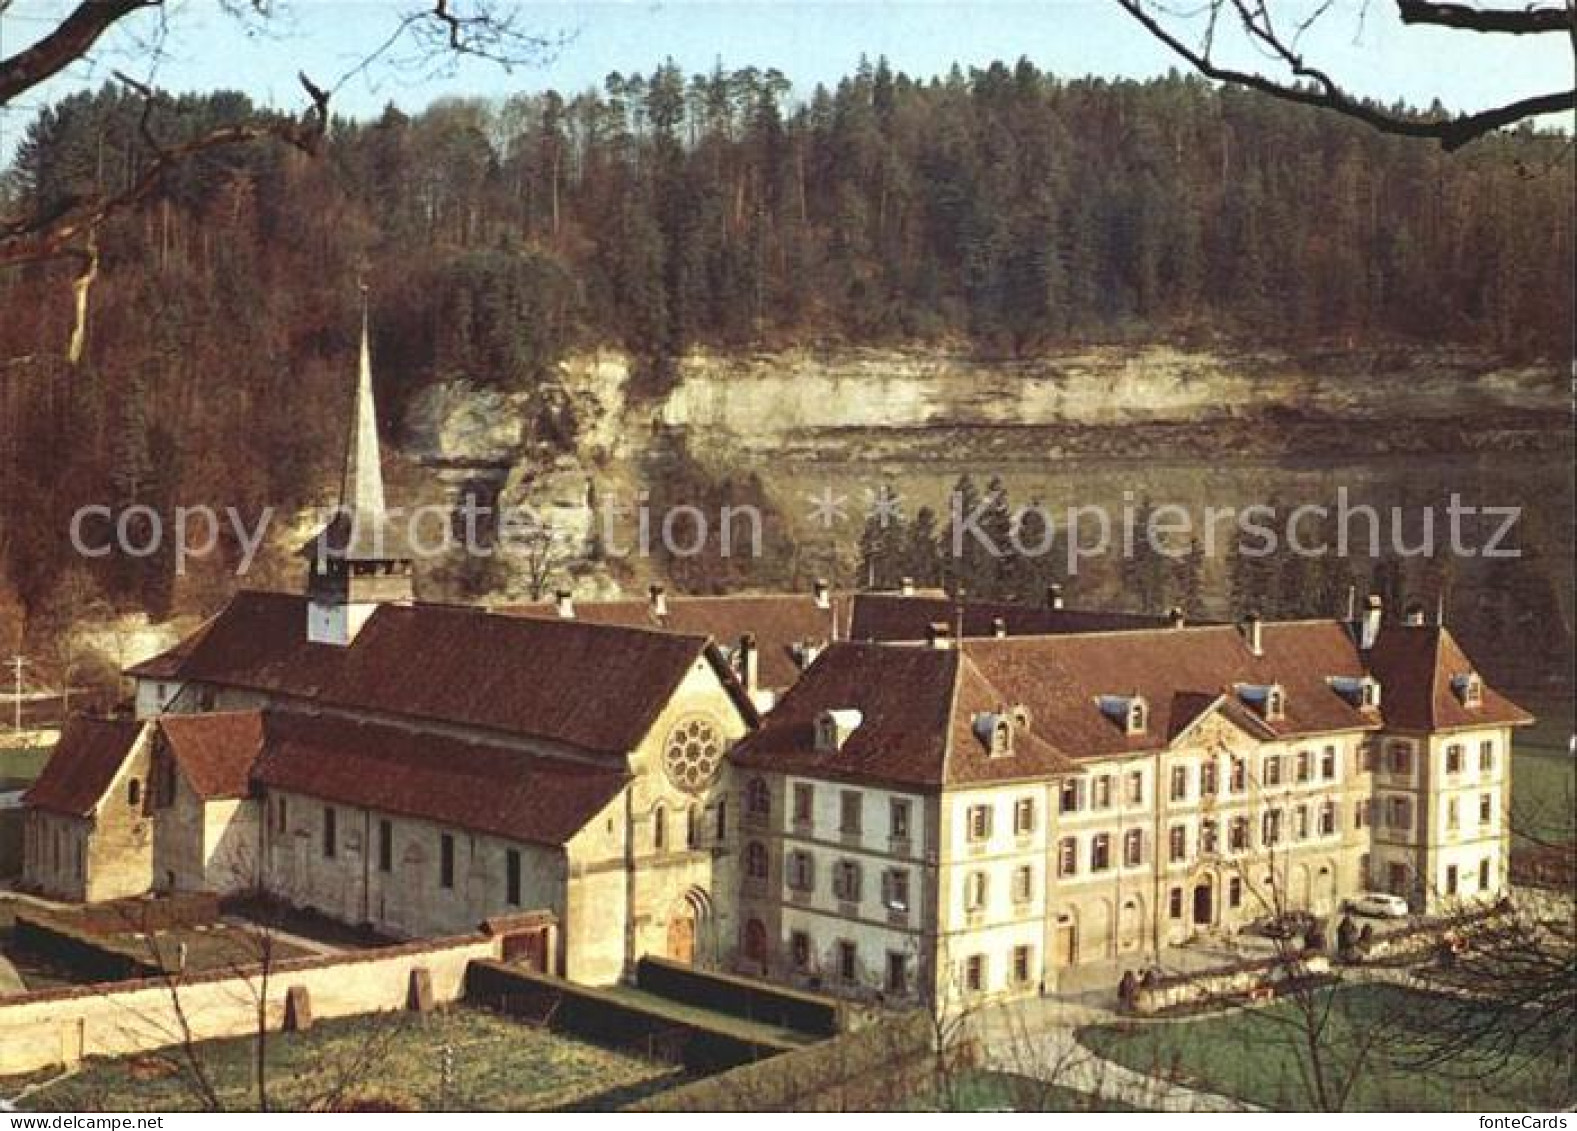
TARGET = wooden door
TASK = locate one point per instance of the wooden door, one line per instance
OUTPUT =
(681, 937)
(1065, 951)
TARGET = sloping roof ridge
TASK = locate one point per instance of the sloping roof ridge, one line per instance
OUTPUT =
(955, 682)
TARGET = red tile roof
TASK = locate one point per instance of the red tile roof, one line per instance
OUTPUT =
(918, 708)
(919, 703)
(1061, 679)
(215, 752)
(391, 769)
(895, 617)
(779, 622)
(84, 763)
(595, 687)
(1415, 665)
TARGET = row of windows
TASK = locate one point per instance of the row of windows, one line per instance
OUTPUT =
(895, 977)
(329, 831)
(1399, 758)
(848, 877)
(851, 809)
(1098, 793)
(693, 822)
(1305, 824)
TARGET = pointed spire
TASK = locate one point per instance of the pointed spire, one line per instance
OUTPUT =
(361, 493)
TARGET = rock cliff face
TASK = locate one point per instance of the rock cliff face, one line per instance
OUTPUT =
(1198, 428)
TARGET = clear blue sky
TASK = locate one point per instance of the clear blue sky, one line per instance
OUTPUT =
(809, 42)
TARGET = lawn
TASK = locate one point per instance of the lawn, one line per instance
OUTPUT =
(1251, 1056)
(387, 1061)
(1544, 774)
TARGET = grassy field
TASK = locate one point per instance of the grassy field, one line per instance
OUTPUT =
(1252, 1057)
(389, 1061)
(1544, 774)
(19, 766)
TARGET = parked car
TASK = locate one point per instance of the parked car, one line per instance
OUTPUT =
(1378, 905)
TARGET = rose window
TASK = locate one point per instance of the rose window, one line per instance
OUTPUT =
(694, 748)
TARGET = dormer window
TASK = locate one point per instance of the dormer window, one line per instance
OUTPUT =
(1362, 692)
(1270, 699)
(995, 732)
(834, 727)
(1130, 712)
(1469, 688)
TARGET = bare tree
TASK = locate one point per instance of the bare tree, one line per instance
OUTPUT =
(1205, 33)
(430, 36)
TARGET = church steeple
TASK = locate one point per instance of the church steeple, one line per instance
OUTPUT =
(361, 492)
(361, 559)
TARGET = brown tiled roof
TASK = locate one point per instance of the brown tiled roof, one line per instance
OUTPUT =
(1061, 679)
(917, 708)
(779, 621)
(895, 617)
(919, 703)
(84, 763)
(482, 787)
(595, 687)
(216, 752)
(1415, 665)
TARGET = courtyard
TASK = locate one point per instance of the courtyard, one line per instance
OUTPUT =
(459, 1059)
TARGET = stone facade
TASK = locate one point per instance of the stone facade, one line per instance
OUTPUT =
(106, 853)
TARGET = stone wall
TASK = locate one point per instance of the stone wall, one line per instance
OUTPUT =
(61, 1026)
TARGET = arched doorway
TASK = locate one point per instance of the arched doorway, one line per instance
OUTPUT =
(1204, 903)
(756, 942)
(687, 923)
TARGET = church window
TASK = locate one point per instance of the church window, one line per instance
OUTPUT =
(692, 753)
(446, 861)
(330, 831)
(512, 877)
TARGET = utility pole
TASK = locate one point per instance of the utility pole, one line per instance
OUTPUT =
(18, 662)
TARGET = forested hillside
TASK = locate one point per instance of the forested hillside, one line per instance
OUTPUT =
(1005, 211)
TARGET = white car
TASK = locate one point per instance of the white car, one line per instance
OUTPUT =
(1378, 904)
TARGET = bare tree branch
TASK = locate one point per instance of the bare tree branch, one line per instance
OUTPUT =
(1311, 86)
(72, 38)
(1531, 20)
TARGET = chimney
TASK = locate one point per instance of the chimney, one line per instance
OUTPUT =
(1414, 614)
(1176, 617)
(748, 659)
(938, 634)
(564, 603)
(999, 627)
(822, 592)
(658, 602)
(1054, 596)
(906, 586)
(1253, 633)
(1369, 630)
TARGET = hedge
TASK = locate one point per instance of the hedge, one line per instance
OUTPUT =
(608, 1018)
(747, 998)
(883, 1066)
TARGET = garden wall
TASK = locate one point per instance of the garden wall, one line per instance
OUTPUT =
(881, 1067)
(746, 998)
(62, 1026)
(605, 1016)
